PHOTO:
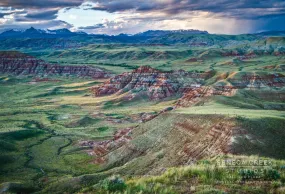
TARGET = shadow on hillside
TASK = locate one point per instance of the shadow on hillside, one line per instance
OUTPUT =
(263, 137)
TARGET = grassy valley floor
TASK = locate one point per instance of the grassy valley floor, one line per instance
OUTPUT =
(57, 136)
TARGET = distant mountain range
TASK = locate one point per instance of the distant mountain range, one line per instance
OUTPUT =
(32, 32)
(167, 32)
(37, 39)
(40, 33)
(62, 33)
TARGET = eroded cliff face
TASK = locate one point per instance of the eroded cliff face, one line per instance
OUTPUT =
(146, 81)
(17, 63)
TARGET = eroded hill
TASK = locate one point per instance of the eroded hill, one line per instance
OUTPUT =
(12, 62)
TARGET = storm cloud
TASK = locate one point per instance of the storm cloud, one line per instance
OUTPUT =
(41, 15)
(39, 4)
(38, 13)
(242, 9)
(35, 10)
(132, 16)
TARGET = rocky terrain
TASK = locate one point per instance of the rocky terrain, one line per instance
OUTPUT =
(194, 96)
(155, 84)
(20, 64)
(181, 140)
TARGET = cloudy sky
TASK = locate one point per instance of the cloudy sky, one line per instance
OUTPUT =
(133, 16)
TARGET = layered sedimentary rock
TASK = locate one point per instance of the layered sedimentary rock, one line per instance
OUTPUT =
(253, 80)
(194, 96)
(20, 64)
(151, 83)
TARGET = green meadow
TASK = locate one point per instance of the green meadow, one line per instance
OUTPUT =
(42, 124)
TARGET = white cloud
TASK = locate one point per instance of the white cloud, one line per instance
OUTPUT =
(133, 22)
(80, 17)
(72, 17)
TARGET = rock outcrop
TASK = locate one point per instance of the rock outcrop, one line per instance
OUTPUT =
(255, 80)
(17, 63)
(194, 96)
(146, 81)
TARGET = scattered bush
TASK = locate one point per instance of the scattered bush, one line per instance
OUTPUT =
(113, 184)
(101, 129)
(271, 174)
